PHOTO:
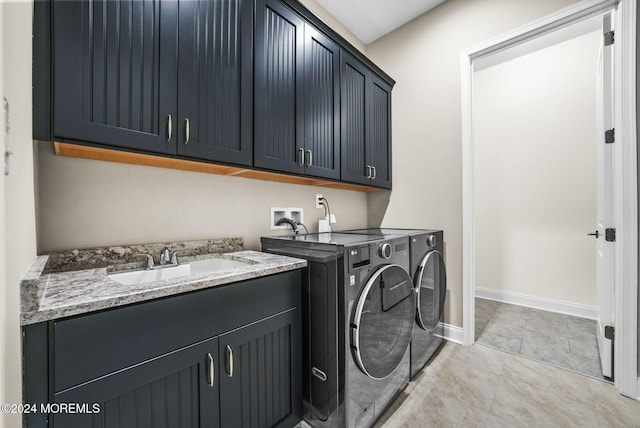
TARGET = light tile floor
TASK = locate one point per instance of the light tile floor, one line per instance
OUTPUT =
(563, 341)
(482, 387)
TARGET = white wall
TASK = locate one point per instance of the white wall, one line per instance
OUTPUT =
(535, 172)
(3, 245)
(423, 57)
(19, 243)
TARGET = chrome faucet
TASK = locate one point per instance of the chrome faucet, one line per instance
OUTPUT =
(165, 256)
(149, 257)
(167, 259)
(174, 257)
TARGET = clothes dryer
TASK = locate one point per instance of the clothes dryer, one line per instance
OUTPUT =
(358, 320)
(429, 276)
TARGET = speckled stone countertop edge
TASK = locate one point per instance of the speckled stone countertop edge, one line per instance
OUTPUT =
(46, 297)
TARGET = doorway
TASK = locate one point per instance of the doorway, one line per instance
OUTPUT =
(534, 130)
(625, 185)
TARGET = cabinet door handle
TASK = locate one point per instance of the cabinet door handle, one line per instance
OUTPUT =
(211, 372)
(373, 177)
(301, 153)
(368, 171)
(187, 131)
(169, 128)
(229, 361)
(309, 158)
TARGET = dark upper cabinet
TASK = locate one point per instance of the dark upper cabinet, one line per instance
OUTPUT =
(365, 125)
(160, 76)
(259, 83)
(378, 145)
(215, 80)
(353, 120)
(296, 94)
(115, 72)
(279, 46)
(321, 105)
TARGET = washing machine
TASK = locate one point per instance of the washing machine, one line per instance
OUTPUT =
(429, 277)
(358, 320)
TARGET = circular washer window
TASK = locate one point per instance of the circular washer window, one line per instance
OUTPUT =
(382, 322)
(431, 287)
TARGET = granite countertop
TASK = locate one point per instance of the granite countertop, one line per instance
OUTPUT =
(47, 296)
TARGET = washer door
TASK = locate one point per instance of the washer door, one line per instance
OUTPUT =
(430, 287)
(382, 322)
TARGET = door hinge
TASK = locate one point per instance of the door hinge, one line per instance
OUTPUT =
(610, 136)
(609, 38)
(609, 332)
(610, 235)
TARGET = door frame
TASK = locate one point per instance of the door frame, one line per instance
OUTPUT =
(625, 175)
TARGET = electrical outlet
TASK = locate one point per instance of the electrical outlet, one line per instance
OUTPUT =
(318, 198)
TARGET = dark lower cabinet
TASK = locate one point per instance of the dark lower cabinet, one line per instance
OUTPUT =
(172, 390)
(229, 356)
(256, 384)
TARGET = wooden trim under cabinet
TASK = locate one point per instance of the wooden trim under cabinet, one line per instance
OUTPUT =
(96, 153)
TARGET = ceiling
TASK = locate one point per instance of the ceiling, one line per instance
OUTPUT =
(369, 20)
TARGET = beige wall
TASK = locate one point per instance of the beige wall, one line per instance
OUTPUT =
(84, 203)
(535, 172)
(332, 22)
(423, 58)
(19, 212)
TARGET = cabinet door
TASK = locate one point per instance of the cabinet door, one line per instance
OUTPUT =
(215, 80)
(365, 125)
(321, 105)
(115, 72)
(179, 389)
(353, 123)
(278, 98)
(262, 380)
(379, 132)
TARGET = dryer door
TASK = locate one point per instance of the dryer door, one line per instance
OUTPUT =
(382, 322)
(430, 288)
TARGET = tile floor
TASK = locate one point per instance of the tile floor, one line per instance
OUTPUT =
(563, 341)
(482, 387)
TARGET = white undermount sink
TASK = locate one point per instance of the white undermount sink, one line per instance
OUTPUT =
(192, 268)
(215, 264)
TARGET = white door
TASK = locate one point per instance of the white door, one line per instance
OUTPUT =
(604, 248)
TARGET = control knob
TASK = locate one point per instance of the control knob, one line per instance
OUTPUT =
(385, 251)
(432, 240)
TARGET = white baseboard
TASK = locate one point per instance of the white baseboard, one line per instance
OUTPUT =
(575, 309)
(451, 333)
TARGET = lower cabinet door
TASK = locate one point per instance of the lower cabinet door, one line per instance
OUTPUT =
(178, 389)
(261, 380)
